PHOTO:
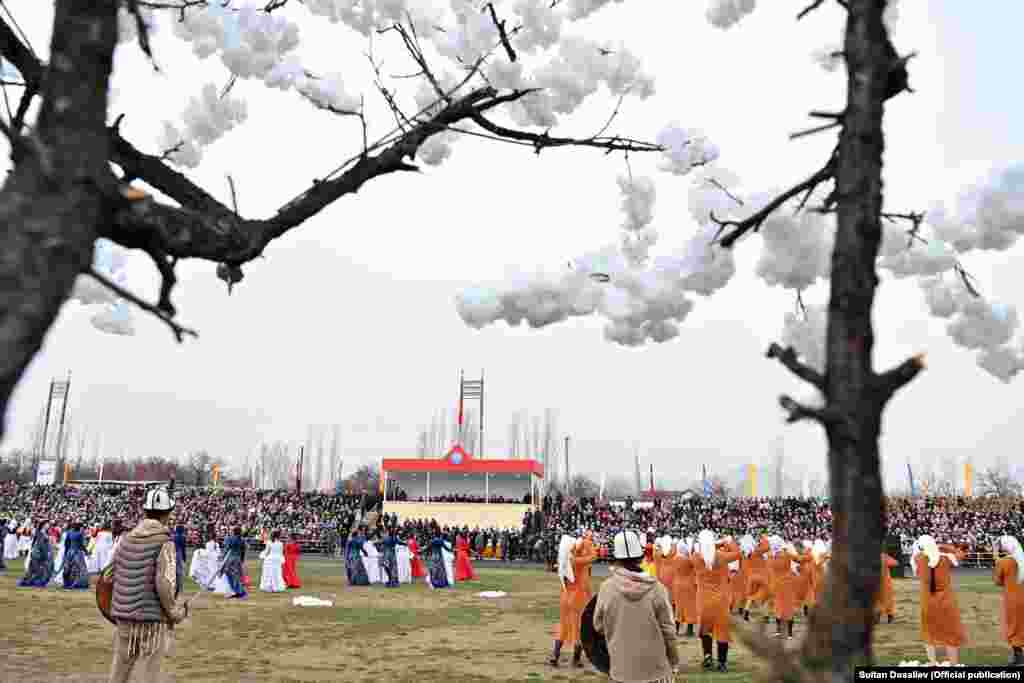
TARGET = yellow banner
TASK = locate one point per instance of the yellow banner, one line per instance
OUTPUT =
(968, 479)
(752, 480)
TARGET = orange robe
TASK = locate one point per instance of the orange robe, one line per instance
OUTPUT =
(1005, 574)
(713, 592)
(940, 612)
(575, 596)
(885, 602)
(684, 590)
(738, 585)
(667, 570)
(816, 568)
(758, 577)
(785, 584)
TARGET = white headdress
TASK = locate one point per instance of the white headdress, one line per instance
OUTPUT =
(747, 545)
(776, 544)
(927, 546)
(666, 545)
(683, 547)
(565, 558)
(706, 540)
(819, 550)
(1012, 546)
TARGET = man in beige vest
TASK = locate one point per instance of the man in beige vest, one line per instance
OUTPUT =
(144, 602)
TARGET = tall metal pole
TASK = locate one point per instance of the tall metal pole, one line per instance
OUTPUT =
(63, 412)
(298, 471)
(46, 426)
(480, 448)
(567, 465)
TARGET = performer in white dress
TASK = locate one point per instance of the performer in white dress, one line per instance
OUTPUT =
(104, 547)
(25, 540)
(372, 562)
(404, 558)
(272, 580)
(449, 566)
(11, 542)
(58, 559)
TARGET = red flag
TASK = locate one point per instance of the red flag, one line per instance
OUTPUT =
(461, 387)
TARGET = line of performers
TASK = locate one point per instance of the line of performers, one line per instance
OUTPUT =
(390, 560)
(53, 556)
(221, 568)
(709, 579)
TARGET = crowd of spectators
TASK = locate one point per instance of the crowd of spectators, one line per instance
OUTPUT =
(971, 522)
(325, 520)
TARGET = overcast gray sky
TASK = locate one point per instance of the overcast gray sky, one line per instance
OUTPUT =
(350, 319)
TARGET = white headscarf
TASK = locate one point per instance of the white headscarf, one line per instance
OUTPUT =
(666, 545)
(565, 547)
(1012, 546)
(747, 545)
(776, 544)
(706, 540)
(927, 546)
(683, 547)
(808, 545)
(818, 550)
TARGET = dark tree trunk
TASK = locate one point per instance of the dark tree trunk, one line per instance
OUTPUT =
(51, 204)
(841, 628)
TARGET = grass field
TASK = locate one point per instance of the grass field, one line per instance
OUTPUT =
(374, 634)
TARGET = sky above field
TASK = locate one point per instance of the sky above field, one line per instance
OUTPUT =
(351, 320)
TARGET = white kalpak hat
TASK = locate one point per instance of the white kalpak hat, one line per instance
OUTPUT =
(627, 546)
(158, 500)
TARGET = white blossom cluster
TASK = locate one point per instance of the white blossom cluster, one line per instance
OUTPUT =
(725, 14)
(206, 119)
(114, 316)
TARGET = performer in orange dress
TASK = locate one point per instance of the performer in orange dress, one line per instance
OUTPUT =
(940, 613)
(816, 567)
(573, 572)
(885, 601)
(1008, 572)
(684, 587)
(805, 582)
(784, 566)
(463, 565)
(759, 585)
(666, 555)
(711, 565)
(415, 563)
(648, 562)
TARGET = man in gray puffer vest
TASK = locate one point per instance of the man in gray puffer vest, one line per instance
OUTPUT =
(144, 601)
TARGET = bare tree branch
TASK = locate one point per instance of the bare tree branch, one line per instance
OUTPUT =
(798, 411)
(168, 319)
(502, 34)
(787, 357)
(891, 381)
(754, 221)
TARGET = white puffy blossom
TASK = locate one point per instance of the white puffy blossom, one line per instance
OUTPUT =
(436, 149)
(828, 57)
(328, 92)
(541, 24)
(685, 149)
(796, 249)
(581, 9)
(987, 215)
(806, 335)
(114, 319)
(206, 119)
(725, 14)
(913, 256)
(638, 205)
(1002, 362)
(108, 259)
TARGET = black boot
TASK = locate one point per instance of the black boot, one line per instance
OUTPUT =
(689, 630)
(705, 645)
(746, 615)
(723, 656)
(577, 656)
(1018, 657)
(805, 610)
(878, 618)
(778, 628)
(556, 654)
(791, 629)
(677, 628)
(890, 618)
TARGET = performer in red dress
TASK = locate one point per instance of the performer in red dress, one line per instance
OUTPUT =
(463, 565)
(418, 571)
(290, 569)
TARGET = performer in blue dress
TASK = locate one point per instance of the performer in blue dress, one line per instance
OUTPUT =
(438, 572)
(234, 551)
(179, 551)
(76, 572)
(40, 564)
(389, 557)
(354, 566)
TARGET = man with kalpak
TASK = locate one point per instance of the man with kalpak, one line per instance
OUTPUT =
(144, 604)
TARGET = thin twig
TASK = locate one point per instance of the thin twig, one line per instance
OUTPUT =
(178, 330)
